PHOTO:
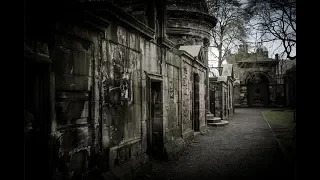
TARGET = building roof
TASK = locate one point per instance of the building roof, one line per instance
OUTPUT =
(193, 50)
(213, 72)
(223, 78)
(227, 70)
(258, 59)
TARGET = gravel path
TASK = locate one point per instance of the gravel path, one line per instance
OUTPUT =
(246, 148)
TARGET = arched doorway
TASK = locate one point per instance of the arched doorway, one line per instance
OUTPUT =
(258, 90)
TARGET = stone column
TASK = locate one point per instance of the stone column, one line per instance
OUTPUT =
(205, 50)
(243, 96)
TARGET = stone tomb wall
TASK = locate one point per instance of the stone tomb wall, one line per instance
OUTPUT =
(101, 110)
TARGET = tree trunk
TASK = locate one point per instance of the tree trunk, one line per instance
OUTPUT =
(220, 60)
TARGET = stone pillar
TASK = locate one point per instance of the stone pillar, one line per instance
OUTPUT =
(207, 106)
(272, 95)
(221, 101)
(243, 96)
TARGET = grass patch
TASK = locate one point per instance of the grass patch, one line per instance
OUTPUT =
(282, 123)
(282, 118)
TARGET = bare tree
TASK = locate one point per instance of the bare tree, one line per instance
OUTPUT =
(230, 30)
(275, 20)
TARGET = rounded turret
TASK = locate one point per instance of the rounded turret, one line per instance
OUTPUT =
(189, 22)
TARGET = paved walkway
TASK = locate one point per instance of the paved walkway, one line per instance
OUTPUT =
(246, 148)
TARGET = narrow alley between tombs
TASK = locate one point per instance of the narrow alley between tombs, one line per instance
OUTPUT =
(246, 148)
(125, 89)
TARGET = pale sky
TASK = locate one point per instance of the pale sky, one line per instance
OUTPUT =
(273, 48)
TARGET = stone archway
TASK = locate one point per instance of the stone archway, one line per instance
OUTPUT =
(257, 89)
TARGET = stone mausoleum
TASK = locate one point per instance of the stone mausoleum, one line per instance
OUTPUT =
(221, 92)
(111, 84)
(256, 82)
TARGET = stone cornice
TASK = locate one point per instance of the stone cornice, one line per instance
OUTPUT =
(167, 43)
(180, 13)
(193, 59)
(252, 63)
(154, 76)
(186, 54)
(95, 21)
(37, 57)
(107, 11)
(187, 31)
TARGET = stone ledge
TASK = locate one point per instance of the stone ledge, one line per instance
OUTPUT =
(174, 146)
(203, 128)
(127, 145)
(222, 123)
(188, 135)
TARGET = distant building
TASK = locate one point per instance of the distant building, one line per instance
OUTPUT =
(256, 75)
(290, 87)
(221, 96)
(283, 66)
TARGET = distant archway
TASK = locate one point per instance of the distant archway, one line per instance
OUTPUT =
(257, 89)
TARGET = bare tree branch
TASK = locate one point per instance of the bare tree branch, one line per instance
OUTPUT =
(275, 18)
(230, 27)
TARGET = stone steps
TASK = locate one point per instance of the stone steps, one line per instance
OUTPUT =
(210, 116)
(215, 121)
(222, 123)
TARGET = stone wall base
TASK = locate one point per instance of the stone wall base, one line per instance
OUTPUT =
(133, 169)
(203, 128)
(174, 146)
(189, 135)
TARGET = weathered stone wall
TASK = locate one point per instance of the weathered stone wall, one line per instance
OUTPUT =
(224, 105)
(75, 128)
(90, 69)
(100, 112)
(230, 98)
(122, 108)
(202, 95)
(243, 96)
(236, 94)
(217, 86)
(187, 95)
(172, 97)
(280, 95)
(268, 71)
(245, 72)
(189, 68)
(224, 97)
(189, 22)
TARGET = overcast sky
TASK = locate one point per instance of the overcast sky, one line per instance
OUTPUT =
(273, 47)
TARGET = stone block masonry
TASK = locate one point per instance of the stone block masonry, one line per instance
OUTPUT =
(105, 67)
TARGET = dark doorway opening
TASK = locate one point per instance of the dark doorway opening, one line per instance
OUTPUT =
(212, 101)
(225, 103)
(36, 119)
(155, 123)
(196, 103)
(258, 90)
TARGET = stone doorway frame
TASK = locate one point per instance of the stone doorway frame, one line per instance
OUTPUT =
(196, 103)
(250, 86)
(153, 131)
